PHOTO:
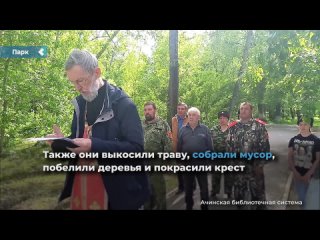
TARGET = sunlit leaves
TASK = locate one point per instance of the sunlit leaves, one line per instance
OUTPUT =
(283, 69)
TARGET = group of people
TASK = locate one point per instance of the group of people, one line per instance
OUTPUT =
(245, 135)
(106, 120)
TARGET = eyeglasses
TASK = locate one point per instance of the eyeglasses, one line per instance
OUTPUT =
(81, 81)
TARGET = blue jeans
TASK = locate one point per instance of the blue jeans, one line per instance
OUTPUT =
(301, 190)
(312, 200)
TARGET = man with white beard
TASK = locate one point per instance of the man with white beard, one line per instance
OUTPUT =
(105, 120)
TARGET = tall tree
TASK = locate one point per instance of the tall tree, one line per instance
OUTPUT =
(243, 67)
(174, 74)
(4, 105)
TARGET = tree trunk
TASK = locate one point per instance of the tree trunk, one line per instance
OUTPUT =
(277, 116)
(299, 114)
(243, 68)
(174, 75)
(271, 113)
(262, 111)
(292, 113)
(4, 106)
(261, 89)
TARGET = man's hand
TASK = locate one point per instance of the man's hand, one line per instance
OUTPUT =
(83, 143)
(56, 133)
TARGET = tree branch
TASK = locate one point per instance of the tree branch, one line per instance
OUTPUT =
(105, 46)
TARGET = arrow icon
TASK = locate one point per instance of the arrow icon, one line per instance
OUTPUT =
(41, 51)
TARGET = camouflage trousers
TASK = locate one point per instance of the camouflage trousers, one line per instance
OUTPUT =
(249, 186)
(158, 192)
(215, 183)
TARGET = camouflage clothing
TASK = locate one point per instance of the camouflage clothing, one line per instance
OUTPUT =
(157, 136)
(158, 192)
(249, 137)
(157, 139)
(219, 139)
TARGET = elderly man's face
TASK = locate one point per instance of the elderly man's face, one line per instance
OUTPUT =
(84, 82)
(193, 118)
(149, 112)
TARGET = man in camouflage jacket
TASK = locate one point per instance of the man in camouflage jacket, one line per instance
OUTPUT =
(249, 135)
(157, 138)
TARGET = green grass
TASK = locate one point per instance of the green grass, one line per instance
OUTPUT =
(24, 185)
(37, 203)
(18, 191)
(171, 181)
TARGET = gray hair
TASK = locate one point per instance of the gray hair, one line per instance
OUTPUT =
(194, 110)
(84, 59)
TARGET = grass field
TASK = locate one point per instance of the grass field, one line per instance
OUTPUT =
(24, 185)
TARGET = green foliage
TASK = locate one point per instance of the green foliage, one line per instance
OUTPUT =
(283, 71)
(282, 75)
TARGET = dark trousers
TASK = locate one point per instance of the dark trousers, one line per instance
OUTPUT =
(180, 181)
(228, 183)
(189, 180)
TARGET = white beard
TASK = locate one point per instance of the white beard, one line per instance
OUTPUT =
(90, 97)
(93, 93)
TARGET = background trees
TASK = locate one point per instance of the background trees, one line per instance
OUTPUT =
(281, 77)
